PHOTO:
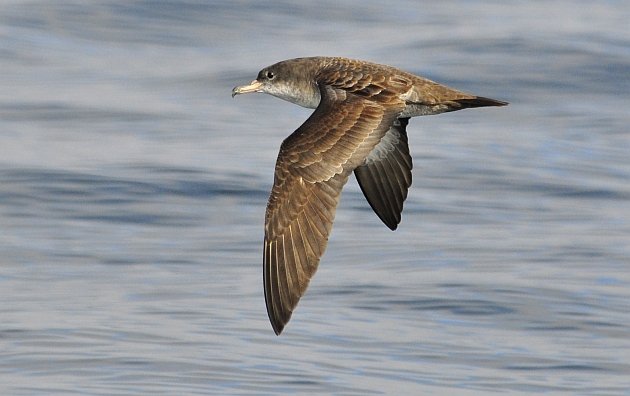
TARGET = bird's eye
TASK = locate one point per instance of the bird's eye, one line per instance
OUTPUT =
(270, 75)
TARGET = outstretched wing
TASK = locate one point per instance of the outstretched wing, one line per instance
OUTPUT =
(313, 165)
(385, 176)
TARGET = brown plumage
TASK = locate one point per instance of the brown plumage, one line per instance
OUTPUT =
(359, 124)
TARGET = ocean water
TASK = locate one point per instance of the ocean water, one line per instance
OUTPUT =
(133, 189)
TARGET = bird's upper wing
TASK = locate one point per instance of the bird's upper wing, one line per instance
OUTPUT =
(385, 176)
(313, 165)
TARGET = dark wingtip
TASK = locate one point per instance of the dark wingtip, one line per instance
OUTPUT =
(277, 322)
(277, 328)
(480, 101)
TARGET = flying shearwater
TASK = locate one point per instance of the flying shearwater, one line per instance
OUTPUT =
(359, 125)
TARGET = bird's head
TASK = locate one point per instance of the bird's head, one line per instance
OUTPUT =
(290, 80)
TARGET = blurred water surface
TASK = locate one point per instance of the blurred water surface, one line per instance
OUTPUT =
(133, 188)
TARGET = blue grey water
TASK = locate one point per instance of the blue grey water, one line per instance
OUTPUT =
(133, 190)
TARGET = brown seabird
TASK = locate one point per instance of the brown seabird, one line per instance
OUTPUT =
(359, 124)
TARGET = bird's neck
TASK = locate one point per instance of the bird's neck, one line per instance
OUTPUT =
(306, 96)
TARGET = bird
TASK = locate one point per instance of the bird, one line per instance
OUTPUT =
(359, 126)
